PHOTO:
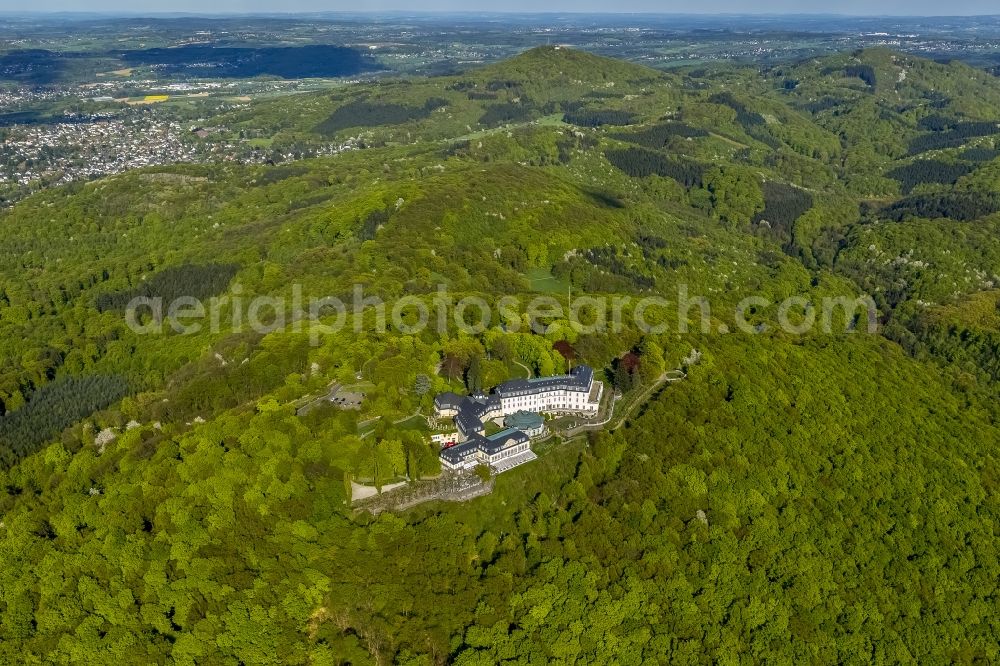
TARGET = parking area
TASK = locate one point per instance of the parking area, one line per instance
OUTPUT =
(347, 399)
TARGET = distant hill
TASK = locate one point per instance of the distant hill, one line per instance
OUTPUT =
(557, 63)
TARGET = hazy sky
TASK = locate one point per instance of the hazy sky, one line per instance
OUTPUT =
(858, 7)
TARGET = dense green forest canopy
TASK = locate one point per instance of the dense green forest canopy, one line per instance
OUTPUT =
(820, 497)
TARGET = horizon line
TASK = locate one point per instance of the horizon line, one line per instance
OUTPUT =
(445, 12)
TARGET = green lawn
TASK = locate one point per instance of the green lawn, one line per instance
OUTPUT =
(416, 422)
(492, 428)
(261, 142)
(518, 371)
(358, 387)
(552, 120)
(542, 280)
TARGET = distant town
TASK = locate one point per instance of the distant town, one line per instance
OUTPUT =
(145, 95)
(59, 134)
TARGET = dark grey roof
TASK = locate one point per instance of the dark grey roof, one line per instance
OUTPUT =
(473, 409)
(468, 422)
(489, 445)
(448, 400)
(578, 379)
(497, 442)
(459, 452)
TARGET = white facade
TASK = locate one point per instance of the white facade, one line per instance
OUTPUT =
(446, 439)
(479, 457)
(535, 432)
(550, 401)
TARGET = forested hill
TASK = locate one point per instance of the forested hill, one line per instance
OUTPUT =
(826, 497)
(546, 65)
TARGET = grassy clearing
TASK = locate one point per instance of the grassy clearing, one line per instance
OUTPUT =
(359, 387)
(553, 120)
(492, 428)
(542, 280)
(518, 371)
(415, 422)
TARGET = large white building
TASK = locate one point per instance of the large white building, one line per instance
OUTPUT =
(573, 393)
(501, 451)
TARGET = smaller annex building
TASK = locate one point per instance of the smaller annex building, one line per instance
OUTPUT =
(501, 451)
(520, 403)
(531, 424)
